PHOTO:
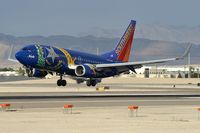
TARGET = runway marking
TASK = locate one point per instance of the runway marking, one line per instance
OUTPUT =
(106, 101)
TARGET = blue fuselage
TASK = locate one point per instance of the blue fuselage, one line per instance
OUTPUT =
(55, 59)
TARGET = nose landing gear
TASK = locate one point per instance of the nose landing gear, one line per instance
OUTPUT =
(61, 82)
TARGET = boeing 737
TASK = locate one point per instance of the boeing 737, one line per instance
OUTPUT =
(39, 60)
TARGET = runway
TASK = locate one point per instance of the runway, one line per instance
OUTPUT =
(40, 94)
(39, 104)
(101, 101)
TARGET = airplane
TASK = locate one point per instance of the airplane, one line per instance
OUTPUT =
(39, 60)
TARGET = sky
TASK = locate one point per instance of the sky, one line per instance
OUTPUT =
(71, 17)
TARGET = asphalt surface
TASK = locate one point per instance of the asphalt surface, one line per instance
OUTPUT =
(14, 78)
(101, 102)
(149, 95)
(108, 94)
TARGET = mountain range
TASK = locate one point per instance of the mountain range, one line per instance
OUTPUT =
(143, 49)
(153, 32)
(151, 42)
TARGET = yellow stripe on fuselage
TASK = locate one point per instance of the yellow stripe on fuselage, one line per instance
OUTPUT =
(92, 68)
(69, 58)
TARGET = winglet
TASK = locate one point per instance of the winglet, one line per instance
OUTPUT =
(186, 52)
(10, 54)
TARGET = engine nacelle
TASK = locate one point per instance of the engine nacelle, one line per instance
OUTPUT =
(36, 73)
(85, 70)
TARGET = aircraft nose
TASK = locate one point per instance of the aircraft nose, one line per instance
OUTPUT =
(21, 56)
(18, 55)
(26, 58)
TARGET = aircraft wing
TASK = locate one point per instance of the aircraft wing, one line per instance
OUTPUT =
(139, 64)
(135, 63)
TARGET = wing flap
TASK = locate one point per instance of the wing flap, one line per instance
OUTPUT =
(139, 63)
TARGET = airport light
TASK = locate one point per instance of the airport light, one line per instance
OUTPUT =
(67, 107)
(133, 109)
(5, 106)
(198, 109)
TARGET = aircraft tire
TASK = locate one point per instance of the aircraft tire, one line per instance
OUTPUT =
(88, 83)
(93, 83)
(59, 82)
(64, 82)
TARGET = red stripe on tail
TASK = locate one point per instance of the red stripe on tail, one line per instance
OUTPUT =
(124, 54)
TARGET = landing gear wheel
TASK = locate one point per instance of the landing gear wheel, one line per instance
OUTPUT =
(88, 83)
(59, 82)
(93, 83)
(64, 82)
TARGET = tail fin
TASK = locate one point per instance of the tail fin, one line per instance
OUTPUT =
(123, 49)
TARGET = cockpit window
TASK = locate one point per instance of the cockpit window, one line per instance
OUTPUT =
(29, 48)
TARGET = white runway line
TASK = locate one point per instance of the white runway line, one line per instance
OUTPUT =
(108, 101)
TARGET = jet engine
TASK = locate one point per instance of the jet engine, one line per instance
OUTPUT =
(36, 73)
(85, 70)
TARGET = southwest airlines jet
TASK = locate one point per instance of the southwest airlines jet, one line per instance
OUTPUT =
(39, 60)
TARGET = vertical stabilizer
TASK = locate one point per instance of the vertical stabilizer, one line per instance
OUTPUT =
(123, 49)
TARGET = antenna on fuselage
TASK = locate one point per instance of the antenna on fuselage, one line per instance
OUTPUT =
(97, 51)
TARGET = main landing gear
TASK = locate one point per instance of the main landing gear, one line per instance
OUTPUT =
(91, 82)
(61, 82)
